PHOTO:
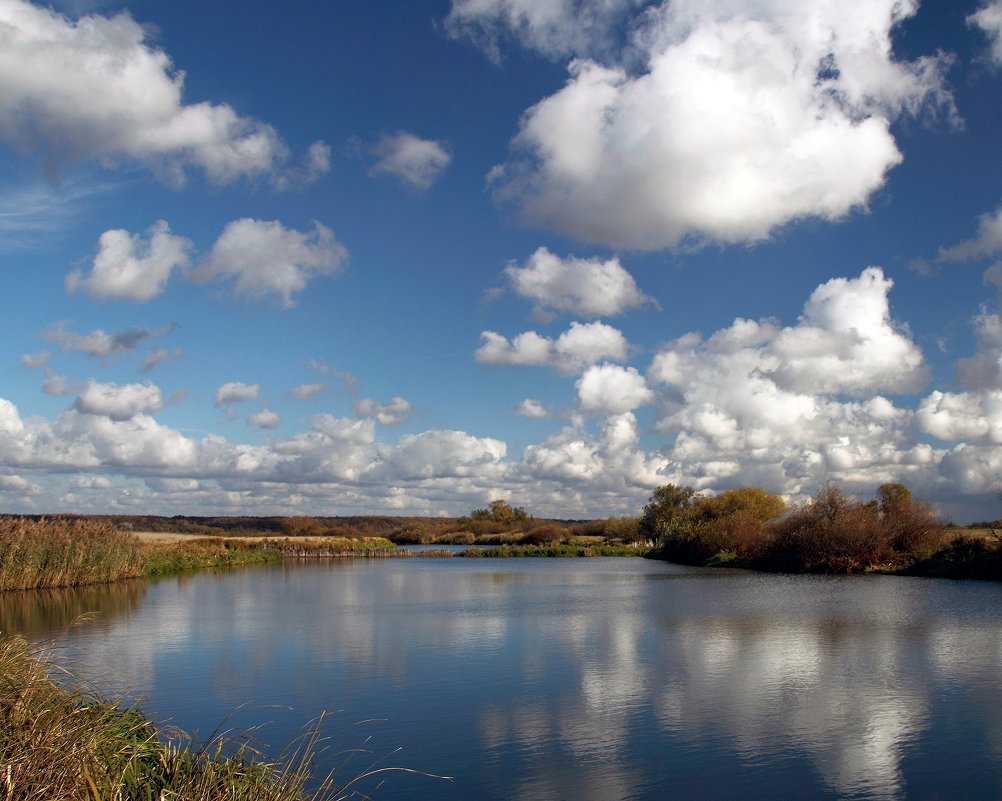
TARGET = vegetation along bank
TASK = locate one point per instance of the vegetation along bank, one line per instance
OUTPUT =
(834, 533)
(74, 745)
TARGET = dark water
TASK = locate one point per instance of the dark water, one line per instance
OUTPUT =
(570, 679)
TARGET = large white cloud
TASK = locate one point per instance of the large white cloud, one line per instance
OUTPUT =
(846, 342)
(266, 259)
(756, 403)
(971, 421)
(585, 287)
(130, 268)
(119, 402)
(581, 345)
(612, 461)
(612, 389)
(96, 88)
(759, 404)
(989, 19)
(414, 161)
(439, 453)
(969, 416)
(744, 118)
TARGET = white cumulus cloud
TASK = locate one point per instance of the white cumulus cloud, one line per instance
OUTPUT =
(532, 409)
(442, 454)
(265, 418)
(989, 19)
(266, 259)
(235, 391)
(386, 414)
(612, 462)
(414, 161)
(846, 342)
(129, 267)
(96, 88)
(611, 389)
(581, 345)
(743, 118)
(119, 402)
(19, 486)
(757, 403)
(585, 287)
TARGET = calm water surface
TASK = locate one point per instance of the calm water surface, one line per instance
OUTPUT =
(568, 679)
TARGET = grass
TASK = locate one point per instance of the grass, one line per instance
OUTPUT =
(327, 546)
(42, 554)
(555, 550)
(163, 559)
(72, 745)
(59, 553)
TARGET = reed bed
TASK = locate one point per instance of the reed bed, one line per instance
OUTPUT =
(325, 547)
(72, 745)
(170, 558)
(55, 553)
(59, 553)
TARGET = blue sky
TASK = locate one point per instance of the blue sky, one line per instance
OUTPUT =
(405, 258)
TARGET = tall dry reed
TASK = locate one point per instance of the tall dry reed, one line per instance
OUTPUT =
(61, 553)
(71, 745)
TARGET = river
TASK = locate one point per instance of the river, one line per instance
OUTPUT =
(567, 679)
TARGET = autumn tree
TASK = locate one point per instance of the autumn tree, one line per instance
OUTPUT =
(667, 517)
(912, 525)
(502, 513)
(734, 521)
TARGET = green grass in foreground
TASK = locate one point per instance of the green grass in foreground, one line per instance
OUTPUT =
(59, 745)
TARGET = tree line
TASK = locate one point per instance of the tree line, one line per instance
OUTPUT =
(834, 533)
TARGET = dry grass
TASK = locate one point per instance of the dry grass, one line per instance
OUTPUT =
(60, 745)
(57, 553)
(42, 554)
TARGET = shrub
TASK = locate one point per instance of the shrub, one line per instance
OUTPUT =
(546, 533)
(830, 536)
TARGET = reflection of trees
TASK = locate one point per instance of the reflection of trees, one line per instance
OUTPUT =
(36, 613)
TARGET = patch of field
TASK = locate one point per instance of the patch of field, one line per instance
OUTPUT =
(984, 533)
(170, 536)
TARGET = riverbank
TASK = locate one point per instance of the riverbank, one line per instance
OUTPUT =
(963, 557)
(554, 550)
(74, 745)
(45, 554)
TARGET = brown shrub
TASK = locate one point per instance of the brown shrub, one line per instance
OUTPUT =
(548, 532)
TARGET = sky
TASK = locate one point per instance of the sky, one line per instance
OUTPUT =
(387, 257)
